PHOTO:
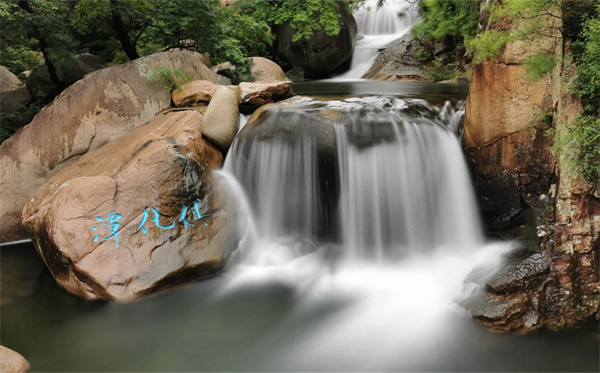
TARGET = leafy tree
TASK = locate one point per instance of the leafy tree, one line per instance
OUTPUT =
(305, 16)
(451, 22)
(128, 29)
(448, 20)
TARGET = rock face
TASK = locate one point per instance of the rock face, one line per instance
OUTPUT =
(265, 70)
(398, 62)
(12, 362)
(254, 95)
(262, 69)
(321, 54)
(573, 236)
(8, 80)
(514, 296)
(504, 138)
(97, 109)
(194, 93)
(142, 213)
(521, 184)
(221, 119)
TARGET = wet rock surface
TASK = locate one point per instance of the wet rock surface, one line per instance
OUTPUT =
(511, 297)
(398, 62)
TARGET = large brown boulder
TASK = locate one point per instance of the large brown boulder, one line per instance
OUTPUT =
(102, 106)
(504, 135)
(321, 54)
(142, 213)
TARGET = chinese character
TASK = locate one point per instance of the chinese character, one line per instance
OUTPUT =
(157, 222)
(196, 212)
(141, 226)
(182, 217)
(111, 225)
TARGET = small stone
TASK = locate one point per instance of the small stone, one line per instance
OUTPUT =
(194, 93)
(12, 362)
(257, 94)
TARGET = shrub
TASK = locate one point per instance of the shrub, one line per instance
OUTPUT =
(165, 77)
(438, 71)
(538, 65)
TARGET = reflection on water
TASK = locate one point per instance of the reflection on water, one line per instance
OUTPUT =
(239, 321)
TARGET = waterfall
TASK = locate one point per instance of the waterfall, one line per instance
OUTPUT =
(385, 179)
(366, 219)
(409, 193)
(377, 27)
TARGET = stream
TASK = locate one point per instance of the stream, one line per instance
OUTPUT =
(352, 265)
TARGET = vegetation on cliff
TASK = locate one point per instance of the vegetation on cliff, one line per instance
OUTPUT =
(455, 22)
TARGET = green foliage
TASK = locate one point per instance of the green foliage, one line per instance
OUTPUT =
(538, 65)
(447, 20)
(581, 146)
(423, 54)
(68, 27)
(582, 141)
(438, 71)
(305, 16)
(15, 116)
(165, 77)
(587, 56)
(488, 45)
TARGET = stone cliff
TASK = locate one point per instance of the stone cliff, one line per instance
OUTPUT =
(524, 187)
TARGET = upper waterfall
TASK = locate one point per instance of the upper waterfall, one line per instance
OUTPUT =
(377, 27)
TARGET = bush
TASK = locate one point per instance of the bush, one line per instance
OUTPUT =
(165, 77)
(538, 65)
(438, 71)
(488, 45)
(581, 146)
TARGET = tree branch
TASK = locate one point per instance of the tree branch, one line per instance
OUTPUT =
(24, 4)
(122, 33)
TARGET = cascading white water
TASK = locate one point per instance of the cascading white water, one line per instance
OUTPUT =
(389, 181)
(377, 27)
(409, 193)
(403, 232)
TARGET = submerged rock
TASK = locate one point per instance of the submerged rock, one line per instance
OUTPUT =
(140, 214)
(12, 362)
(101, 107)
